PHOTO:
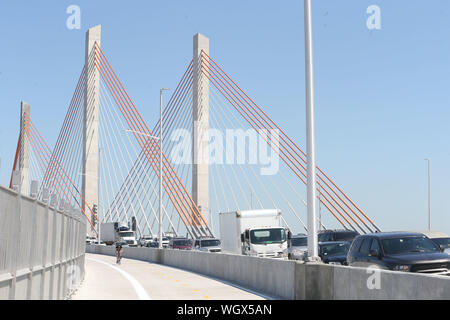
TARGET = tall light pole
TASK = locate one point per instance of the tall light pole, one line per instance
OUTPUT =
(160, 163)
(160, 172)
(98, 198)
(310, 143)
(429, 196)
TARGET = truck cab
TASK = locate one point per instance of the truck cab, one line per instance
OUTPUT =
(257, 233)
(128, 236)
(265, 242)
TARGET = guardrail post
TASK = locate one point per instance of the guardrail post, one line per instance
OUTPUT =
(61, 258)
(15, 245)
(44, 249)
(32, 248)
(53, 253)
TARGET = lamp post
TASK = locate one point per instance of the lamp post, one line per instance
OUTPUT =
(310, 143)
(160, 162)
(429, 196)
(160, 194)
(98, 197)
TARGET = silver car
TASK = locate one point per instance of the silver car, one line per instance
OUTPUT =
(298, 246)
(440, 238)
(207, 245)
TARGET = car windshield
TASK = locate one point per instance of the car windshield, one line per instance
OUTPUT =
(127, 234)
(299, 242)
(404, 245)
(182, 243)
(165, 239)
(334, 249)
(210, 243)
(267, 236)
(445, 242)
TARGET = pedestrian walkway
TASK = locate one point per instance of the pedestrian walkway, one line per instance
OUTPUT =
(140, 280)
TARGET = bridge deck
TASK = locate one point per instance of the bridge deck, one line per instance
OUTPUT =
(135, 279)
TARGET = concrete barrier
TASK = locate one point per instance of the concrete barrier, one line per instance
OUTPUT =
(294, 280)
(41, 249)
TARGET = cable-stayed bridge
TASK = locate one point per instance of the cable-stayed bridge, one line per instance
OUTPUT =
(213, 150)
(221, 152)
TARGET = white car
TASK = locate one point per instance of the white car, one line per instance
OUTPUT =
(207, 245)
(165, 241)
(144, 240)
(91, 240)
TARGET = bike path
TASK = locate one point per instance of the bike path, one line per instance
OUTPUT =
(141, 280)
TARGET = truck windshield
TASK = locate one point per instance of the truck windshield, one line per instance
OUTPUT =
(266, 236)
(210, 243)
(127, 234)
(408, 245)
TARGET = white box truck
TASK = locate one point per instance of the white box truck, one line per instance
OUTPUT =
(254, 232)
(112, 232)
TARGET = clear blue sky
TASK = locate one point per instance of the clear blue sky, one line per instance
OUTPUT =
(382, 96)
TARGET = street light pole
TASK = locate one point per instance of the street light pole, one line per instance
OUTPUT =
(160, 163)
(310, 143)
(429, 196)
(98, 197)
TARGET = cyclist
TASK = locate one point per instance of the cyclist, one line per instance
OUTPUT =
(119, 252)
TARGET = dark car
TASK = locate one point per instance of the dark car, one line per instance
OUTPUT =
(123, 244)
(180, 243)
(336, 235)
(152, 244)
(334, 252)
(400, 251)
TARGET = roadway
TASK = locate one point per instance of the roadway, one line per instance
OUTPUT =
(141, 280)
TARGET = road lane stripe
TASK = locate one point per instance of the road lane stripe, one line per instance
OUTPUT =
(140, 291)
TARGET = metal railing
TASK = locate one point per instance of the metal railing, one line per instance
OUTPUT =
(41, 248)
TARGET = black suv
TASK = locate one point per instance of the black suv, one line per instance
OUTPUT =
(400, 251)
(336, 235)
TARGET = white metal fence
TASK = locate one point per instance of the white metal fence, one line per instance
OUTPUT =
(41, 248)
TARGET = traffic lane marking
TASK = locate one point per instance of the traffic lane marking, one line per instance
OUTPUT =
(138, 288)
